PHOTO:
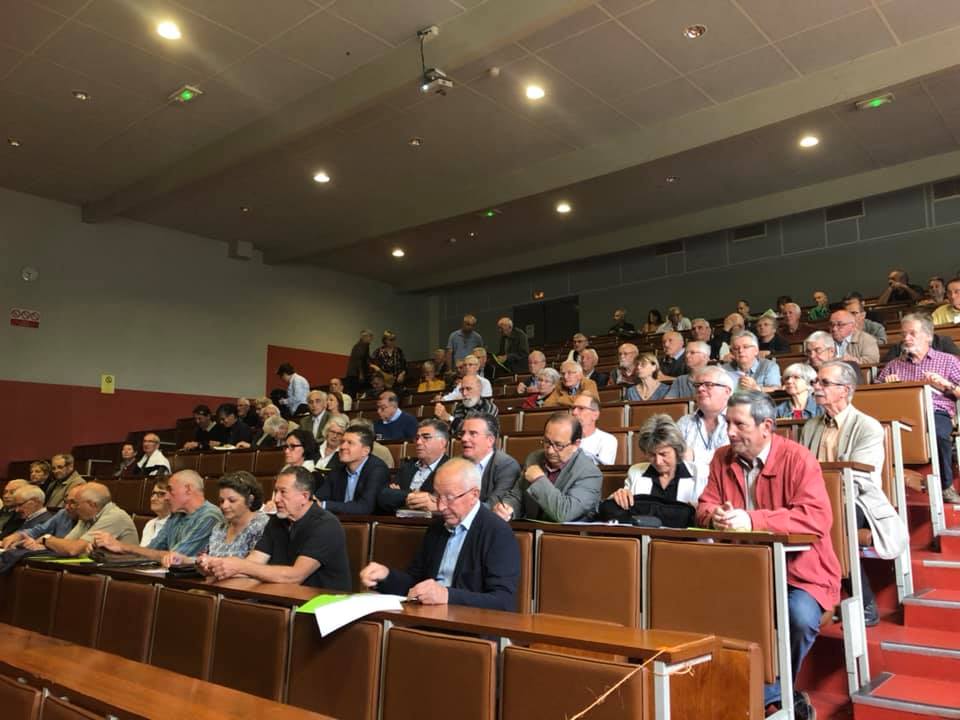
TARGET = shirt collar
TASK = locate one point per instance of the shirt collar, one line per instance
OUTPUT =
(841, 417)
(485, 460)
(432, 466)
(393, 418)
(760, 460)
(359, 467)
(680, 473)
(467, 520)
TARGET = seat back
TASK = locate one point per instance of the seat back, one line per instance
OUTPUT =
(590, 577)
(9, 583)
(624, 438)
(542, 684)
(525, 584)
(894, 402)
(612, 417)
(336, 675)
(519, 446)
(610, 394)
(833, 480)
(358, 549)
(79, 608)
(396, 545)
(244, 625)
(211, 464)
(509, 423)
(462, 673)
(126, 627)
(183, 632)
(239, 460)
(211, 490)
(55, 708)
(128, 493)
(887, 474)
(268, 462)
(397, 450)
(36, 599)
(611, 481)
(534, 421)
(19, 702)
(740, 602)
(639, 412)
(185, 461)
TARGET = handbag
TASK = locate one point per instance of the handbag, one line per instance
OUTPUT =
(646, 509)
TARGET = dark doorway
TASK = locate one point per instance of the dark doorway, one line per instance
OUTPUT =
(552, 321)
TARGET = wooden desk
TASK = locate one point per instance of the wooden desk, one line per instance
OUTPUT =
(133, 687)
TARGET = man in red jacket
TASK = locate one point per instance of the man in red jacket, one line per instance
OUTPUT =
(762, 481)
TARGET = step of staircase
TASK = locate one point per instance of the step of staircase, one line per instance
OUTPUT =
(935, 608)
(933, 570)
(933, 654)
(891, 696)
(950, 543)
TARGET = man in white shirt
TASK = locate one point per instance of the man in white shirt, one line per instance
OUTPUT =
(471, 366)
(675, 322)
(600, 446)
(498, 471)
(297, 389)
(705, 430)
(153, 461)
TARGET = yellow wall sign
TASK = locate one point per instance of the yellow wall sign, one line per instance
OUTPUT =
(108, 384)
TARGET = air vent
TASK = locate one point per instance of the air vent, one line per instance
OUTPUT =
(669, 248)
(946, 188)
(846, 210)
(749, 231)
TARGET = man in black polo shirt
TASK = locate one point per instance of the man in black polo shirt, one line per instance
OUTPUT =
(302, 543)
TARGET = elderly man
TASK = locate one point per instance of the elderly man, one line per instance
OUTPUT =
(471, 402)
(936, 294)
(186, 532)
(10, 519)
(393, 423)
(559, 483)
(297, 389)
(921, 363)
(470, 558)
(95, 513)
(498, 471)
(899, 289)
(247, 413)
(588, 361)
(765, 482)
(336, 385)
(471, 367)
(705, 429)
(599, 446)
(414, 484)
(844, 434)
(302, 544)
(352, 487)
(206, 430)
(821, 306)
(572, 384)
(536, 361)
(700, 330)
(620, 325)
(27, 500)
(580, 343)
(793, 329)
(58, 525)
(949, 314)
(64, 478)
(234, 431)
(358, 364)
(316, 422)
(853, 304)
(153, 462)
(514, 346)
(697, 356)
(462, 342)
(820, 348)
(853, 344)
(732, 324)
(674, 363)
(625, 374)
(769, 341)
(675, 321)
(749, 370)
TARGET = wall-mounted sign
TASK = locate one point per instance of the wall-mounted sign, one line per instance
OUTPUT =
(21, 317)
(108, 384)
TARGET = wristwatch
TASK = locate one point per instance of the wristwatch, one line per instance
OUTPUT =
(43, 539)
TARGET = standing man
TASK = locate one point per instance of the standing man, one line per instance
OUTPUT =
(297, 389)
(358, 365)
(464, 341)
(514, 346)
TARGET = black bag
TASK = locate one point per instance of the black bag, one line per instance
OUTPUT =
(184, 572)
(667, 513)
(106, 558)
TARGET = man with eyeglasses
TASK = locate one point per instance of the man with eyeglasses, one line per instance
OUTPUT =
(58, 525)
(413, 487)
(64, 478)
(600, 446)
(853, 344)
(820, 348)
(96, 512)
(844, 434)
(705, 429)
(471, 402)
(560, 483)
(698, 357)
(470, 557)
(393, 423)
(748, 369)
(853, 304)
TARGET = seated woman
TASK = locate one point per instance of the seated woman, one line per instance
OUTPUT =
(332, 435)
(127, 467)
(300, 449)
(547, 381)
(648, 387)
(335, 403)
(241, 498)
(800, 405)
(429, 382)
(654, 320)
(159, 506)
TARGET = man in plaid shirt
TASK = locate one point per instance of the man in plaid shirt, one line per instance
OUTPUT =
(920, 363)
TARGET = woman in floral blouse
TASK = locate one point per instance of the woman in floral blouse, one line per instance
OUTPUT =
(241, 498)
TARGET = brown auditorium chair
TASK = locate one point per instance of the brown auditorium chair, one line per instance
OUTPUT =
(242, 626)
(8, 592)
(462, 672)
(55, 708)
(79, 608)
(338, 675)
(624, 438)
(140, 521)
(534, 421)
(509, 423)
(610, 394)
(129, 610)
(239, 460)
(525, 585)
(519, 446)
(358, 548)
(612, 417)
(267, 482)
(128, 493)
(19, 702)
(542, 684)
(590, 577)
(396, 545)
(268, 462)
(36, 599)
(612, 481)
(211, 464)
(185, 461)
(211, 489)
(398, 449)
(183, 632)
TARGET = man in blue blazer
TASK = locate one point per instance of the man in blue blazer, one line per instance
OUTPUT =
(352, 487)
(470, 558)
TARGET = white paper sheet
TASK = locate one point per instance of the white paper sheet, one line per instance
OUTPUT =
(335, 615)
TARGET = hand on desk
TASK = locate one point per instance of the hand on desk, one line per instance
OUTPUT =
(373, 573)
(106, 541)
(623, 498)
(727, 517)
(429, 592)
(31, 544)
(222, 567)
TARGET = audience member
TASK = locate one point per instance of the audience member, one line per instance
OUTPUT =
(390, 361)
(514, 347)
(160, 507)
(335, 404)
(393, 423)
(705, 429)
(127, 467)
(648, 385)
(732, 324)
(654, 320)
(498, 471)
(64, 478)
(821, 306)
(471, 366)
(701, 331)
(936, 292)
(765, 482)
(580, 343)
(470, 558)
(58, 525)
(588, 361)
(358, 365)
(377, 385)
(949, 313)
(440, 362)
(379, 450)
(820, 348)
(96, 513)
(429, 382)
(743, 310)
(941, 343)
(599, 446)
(336, 386)
(352, 487)
(899, 289)
(921, 363)
(768, 341)
(241, 497)
(797, 383)
(247, 413)
(302, 544)
(749, 370)
(316, 421)
(328, 455)
(153, 462)
(620, 325)
(674, 362)
(560, 483)
(414, 484)
(10, 519)
(626, 371)
(295, 403)
(463, 341)
(487, 369)
(782, 302)
(206, 430)
(300, 449)
(536, 361)
(470, 403)
(675, 322)
(697, 356)
(275, 430)
(793, 330)
(28, 502)
(853, 304)
(572, 384)
(235, 432)
(543, 394)
(852, 344)
(41, 475)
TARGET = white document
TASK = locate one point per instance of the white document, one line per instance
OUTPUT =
(335, 615)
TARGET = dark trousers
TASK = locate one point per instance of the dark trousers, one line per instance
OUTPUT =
(943, 426)
(868, 596)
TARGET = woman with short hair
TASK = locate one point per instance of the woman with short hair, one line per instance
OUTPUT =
(648, 386)
(798, 384)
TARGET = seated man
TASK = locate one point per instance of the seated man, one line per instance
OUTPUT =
(625, 374)
(393, 423)
(784, 493)
(234, 431)
(469, 558)
(705, 429)
(10, 519)
(921, 363)
(28, 501)
(559, 483)
(820, 348)
(536, 361)
(297, 389)
(353, 486)
(58, 525)
(336, 385)
(844, 434)
(853, 304)
(316, 422)
(949, 314)
(580, 343)
(620, 325)
(414, 483)
(936, 294)
(247, 413)
(853, 344)
(899, 289)
(302, 544)
(674, 363)
(498, 471)
(769, 342)
(675, 322)
(572, 384)
(64, 478)
(697, 356)
(470, 403)
(747, 368)
(471, 367)
(588, 361)
(95, 513)
(599, 446)
(701, 331)
(377, 386)
(821, 306)
(732, 324)
(187, 530)
(205, 431)
(153, 462)
(793, 329)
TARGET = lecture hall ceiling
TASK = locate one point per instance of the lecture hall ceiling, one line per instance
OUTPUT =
(292, 87)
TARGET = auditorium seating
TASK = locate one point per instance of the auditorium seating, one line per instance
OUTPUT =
(396, 545)
(19, 701)
(79, 608)
(55, 708)
(126, 627)
(35, 603)
(183, 632)
(250, 648)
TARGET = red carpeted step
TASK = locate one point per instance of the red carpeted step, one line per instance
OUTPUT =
(933, 654)
(950, 543)
(907, 696)
(938, 609)
(932, 569)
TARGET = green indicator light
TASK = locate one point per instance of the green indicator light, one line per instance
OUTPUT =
(877, 102)
(186, 95)
(489, 213)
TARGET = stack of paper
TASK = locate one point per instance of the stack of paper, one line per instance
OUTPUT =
(335, 611)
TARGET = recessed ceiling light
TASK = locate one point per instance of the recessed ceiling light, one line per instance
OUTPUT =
(671, 179)
(13, 142)
(535, 92)
(471, 234)
(809, 141)
(563, 208)
(692, 32)
(452, 241)
(321, 177)
(81, 95)
(169, 30)
(398, 253)
(244, 209)
(415, 141)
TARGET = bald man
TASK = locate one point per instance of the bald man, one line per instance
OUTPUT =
(96, 512)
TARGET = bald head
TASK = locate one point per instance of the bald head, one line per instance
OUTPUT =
(96, 493)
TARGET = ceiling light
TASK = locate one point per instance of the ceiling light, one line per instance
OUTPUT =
(535, 92)
(415, 141)
(13, 142)
(81, 95)
(244, 209)
(452, 241)
(169, 30)
(563, 208)
(875, 102)
(809, 141)
(471, 234)
(671, 179)
(692, 32)
(398, 253)
(321, 177)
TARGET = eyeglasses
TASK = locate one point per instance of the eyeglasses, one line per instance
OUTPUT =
(708, 385)
(426, 437)
(559, 447)
(291, 446)
(840, 324)
(827, 383)
(448, 500)
(158, 493)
